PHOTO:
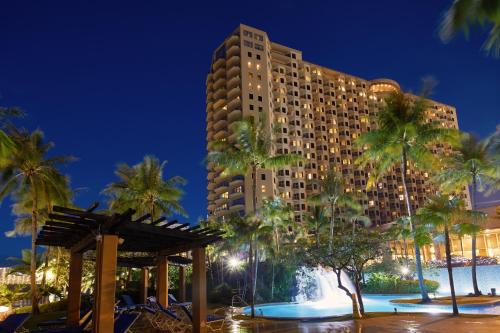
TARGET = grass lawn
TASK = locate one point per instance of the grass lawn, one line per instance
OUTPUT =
(461, 300)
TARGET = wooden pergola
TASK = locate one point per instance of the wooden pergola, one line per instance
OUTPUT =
(111, 235)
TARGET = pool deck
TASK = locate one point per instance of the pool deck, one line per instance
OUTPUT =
(414, 323)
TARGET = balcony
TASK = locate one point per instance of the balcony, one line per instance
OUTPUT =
(233, 93)
(233, 50)
(222, 123)
(234, 81)
(220, 114)
(218, 63)
(233, 40)
(221, 72)
(233, 70)
(220, 83)
(234, 115)
(233, 61)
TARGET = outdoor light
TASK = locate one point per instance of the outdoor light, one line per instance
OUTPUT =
(4, 308)
(405, 270)
(234, 263)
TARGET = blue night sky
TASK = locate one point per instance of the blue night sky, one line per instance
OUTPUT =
(110, 82)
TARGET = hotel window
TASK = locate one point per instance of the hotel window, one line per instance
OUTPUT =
(259, 98)
(263, 188)
(258, 66)
(247, 43)
(250, 96)
(250, 54)
(258, 56)
(247, 33)
(263, 176)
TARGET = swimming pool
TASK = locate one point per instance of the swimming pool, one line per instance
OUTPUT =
(372, 303)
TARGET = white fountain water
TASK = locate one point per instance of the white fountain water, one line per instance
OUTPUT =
(320, 286)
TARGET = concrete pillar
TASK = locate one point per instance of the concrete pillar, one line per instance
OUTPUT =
(182, 283)
(74, 289)
(162, 281)
(144, 285)
(199, 291)
(105, 285)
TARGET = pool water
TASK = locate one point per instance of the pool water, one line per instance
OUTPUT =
(372, 303)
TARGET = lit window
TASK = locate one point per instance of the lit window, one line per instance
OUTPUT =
(263, 188)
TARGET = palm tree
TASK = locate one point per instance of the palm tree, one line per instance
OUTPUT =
(143, 188)
(468, 166)
(403, 137)
(276, 215)
(442, 213)
(246, 231)
(6, 144)
(493, 150)
(332, 194)
(402, 231)
(251, 152)
(317, 221)
(356, 216)
(466, 13)
(27, 171)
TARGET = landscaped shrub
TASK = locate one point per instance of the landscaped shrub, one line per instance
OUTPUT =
(221, 294)
(381, 283)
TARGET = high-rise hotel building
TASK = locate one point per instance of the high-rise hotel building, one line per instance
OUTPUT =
(320, 112)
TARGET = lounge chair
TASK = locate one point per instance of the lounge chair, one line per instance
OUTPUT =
(83, 326)
(129, 303)
(125, 321)
(215, 323)
(13, 322)
(61, 321)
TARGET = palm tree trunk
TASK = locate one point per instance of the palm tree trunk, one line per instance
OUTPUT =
(58, 269)
(477, 292)
(462, 245)
(272, 281)
(406, 250)
(250, 263)
(332, 224)
(450, 270)
(254, 188)
(34, 229)
(418, 259)
(256, 264)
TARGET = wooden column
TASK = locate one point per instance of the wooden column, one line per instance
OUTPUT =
(105, 285)
(162, 281)
(199, 291)
(182, 283)
(144, 285)
(74, 289)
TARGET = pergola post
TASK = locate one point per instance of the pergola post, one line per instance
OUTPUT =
(74, 288)
(162, 280)
(182, 283)
(144, 285)
(104, 293)
(199, 291)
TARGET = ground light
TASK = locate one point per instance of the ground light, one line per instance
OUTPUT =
(234, 263)
(405, 270)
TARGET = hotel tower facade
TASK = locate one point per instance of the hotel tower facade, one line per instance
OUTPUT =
(320, 112)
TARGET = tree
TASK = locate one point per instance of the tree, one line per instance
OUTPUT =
(337, 255)
(402, 139)
(143, 188)
(469, 165)
(366, 246)
(466, 13)
(28, 171)
(6, 144)
(332, 194)
(251, 152)
(442, 213)
(493, 151)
